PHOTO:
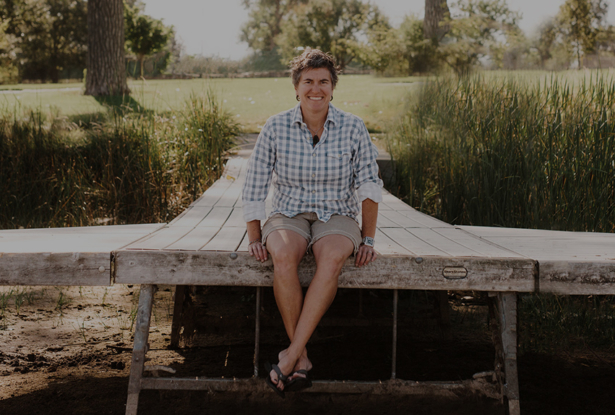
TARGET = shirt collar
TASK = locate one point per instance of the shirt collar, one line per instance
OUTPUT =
(332, 115)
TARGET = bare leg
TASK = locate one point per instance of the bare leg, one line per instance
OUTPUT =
(330, 253)
(287, 248)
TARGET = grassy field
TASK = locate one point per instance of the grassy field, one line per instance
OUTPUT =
(250, 101)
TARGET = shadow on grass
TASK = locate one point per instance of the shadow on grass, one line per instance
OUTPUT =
(114, 105)
(121, 103)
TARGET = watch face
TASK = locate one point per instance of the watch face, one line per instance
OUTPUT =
(368, 241)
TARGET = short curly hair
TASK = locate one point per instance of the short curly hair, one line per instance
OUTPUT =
(313, 59)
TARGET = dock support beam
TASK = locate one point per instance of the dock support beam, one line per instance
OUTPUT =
(144, 312)
(503, 313)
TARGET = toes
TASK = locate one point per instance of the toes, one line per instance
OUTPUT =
(276, 380)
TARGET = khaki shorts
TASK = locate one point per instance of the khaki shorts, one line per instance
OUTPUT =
(312, 229)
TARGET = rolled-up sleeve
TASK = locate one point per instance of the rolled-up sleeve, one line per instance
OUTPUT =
(367, 183)
(258, 177)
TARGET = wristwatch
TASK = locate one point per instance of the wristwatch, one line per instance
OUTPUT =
(368, 241)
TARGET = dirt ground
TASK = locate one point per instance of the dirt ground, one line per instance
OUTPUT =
(67, 351)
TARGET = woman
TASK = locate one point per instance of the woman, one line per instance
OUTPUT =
(326, 174)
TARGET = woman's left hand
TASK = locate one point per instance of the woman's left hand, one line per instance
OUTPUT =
(365, 255)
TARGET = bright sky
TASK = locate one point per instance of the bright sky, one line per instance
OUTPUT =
(212, 27)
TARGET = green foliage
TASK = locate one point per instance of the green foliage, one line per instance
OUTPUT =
(205, 65)
(261, 61)
(512, 153)
(48, 37)
(333, 26)
(580, 22)
(8, 69)
(395, 51)
(125, 168)
(420, 53)
(144, 34)
(263, 27)
(479, 29)
(578, 31)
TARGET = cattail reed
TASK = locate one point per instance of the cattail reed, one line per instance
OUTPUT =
(126, 167)
(511, 152)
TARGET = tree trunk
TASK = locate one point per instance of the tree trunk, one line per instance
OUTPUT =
(106, 66)
(435, 12)
(141, 59)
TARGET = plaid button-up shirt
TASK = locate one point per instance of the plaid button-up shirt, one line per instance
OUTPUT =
(332, 177)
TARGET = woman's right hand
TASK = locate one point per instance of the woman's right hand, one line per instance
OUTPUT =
(255, 247)
(258, 251)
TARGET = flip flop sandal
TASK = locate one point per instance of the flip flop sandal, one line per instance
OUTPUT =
(281, 378)
(298, 383)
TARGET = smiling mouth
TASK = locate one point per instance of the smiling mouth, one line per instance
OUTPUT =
(315, 98)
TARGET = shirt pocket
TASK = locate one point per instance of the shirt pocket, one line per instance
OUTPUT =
(338, 168)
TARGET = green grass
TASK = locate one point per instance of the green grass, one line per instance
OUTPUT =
(250, 101)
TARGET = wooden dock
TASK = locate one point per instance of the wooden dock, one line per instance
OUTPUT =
(207, 245)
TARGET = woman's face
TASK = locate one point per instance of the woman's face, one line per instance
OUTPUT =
(315, 89)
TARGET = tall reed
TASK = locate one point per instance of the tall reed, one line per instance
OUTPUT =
(511, 152)
(127, 168)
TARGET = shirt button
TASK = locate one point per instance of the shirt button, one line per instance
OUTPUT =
(313, 191)
(314, 155)
(313, 175)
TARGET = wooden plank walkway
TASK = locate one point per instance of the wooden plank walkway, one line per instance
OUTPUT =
(64, 256)
(207, 245)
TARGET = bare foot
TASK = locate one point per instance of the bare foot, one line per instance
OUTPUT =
(286, 364)
(303, 363)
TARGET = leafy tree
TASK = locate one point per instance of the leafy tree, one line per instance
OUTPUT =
(402, 50)
(264, 23)
(581, 22)
(333, 26)
(50, 36)
(477, 31)
(262, 30)
(547, 37)
(145, 35)
(8, 70)
(419, 50)
(605, 41)
(383, 49)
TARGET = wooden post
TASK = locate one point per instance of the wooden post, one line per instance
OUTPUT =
(442, 310)
(503, 312)
(257, 330)
(144, 313)
(394, 348)
(180, 293)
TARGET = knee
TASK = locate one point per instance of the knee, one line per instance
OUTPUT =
(285, 260)
(333, 258)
